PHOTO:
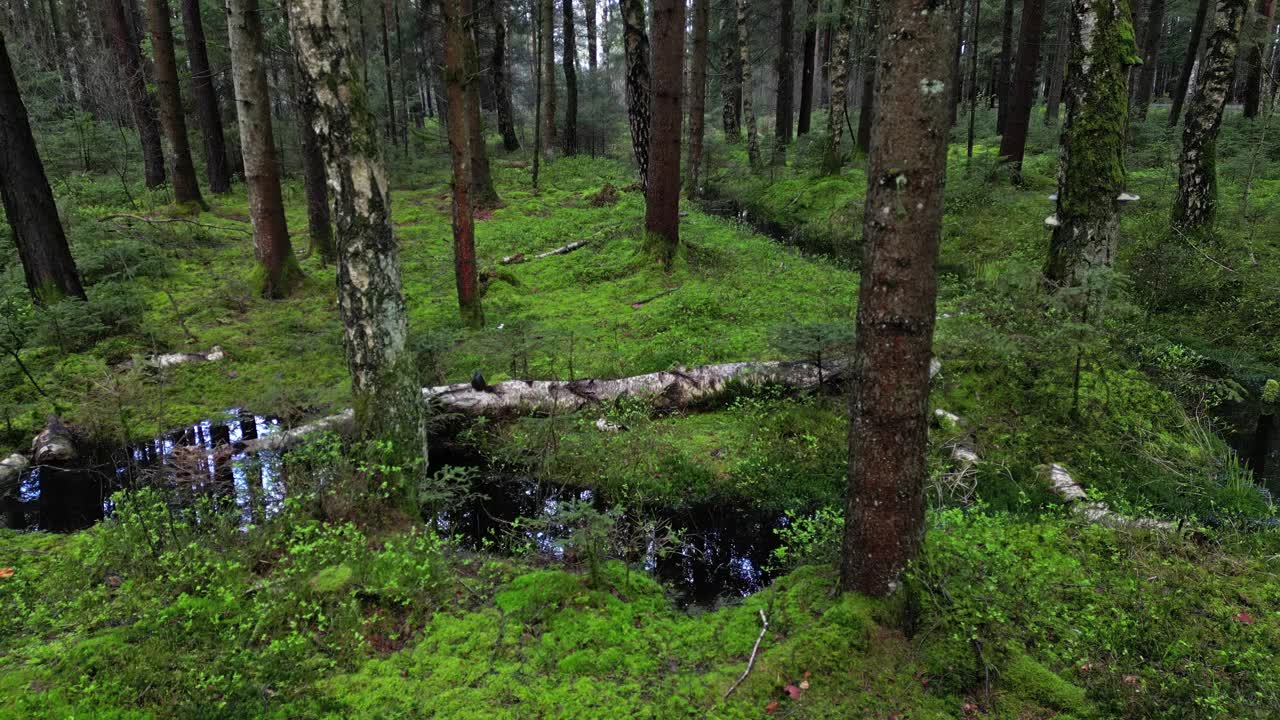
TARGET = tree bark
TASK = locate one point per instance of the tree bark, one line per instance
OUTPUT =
(1022, 91)
(810, 50)
(548, 49)
(784, 116)
(1006, 66)
(957, 78)
(280, 271)
(589, 9)
(638, 83)
(1255, 56)
(836, 118)
(387, 404)
(1189, 62)
(866, 111)
(319, 219)
(28, 201)
(888, 430)
(458, 77)
(483, 192)
(731, 80)
(501, 82)
(1150, 58)
(824, 91)
(569, 56)
(1057, 77)
(205, 97)
(697, 95)
(141, 101)
(662, 193)
(1091, 174)
(182, 171)
(1197, 200)
(392, 137)
(748, 105)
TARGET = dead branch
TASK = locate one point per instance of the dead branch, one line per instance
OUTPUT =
(764, 626)
(562, 250)
(166, 221)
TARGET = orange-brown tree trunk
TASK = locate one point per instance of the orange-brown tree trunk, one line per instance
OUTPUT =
(457, 38)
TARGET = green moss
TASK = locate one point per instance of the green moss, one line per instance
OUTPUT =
(332, 580)
(1025, 677)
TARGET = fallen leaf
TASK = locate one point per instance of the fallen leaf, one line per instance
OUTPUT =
(1244, 617)
(6, 573)
(794, 692)
(772, 707)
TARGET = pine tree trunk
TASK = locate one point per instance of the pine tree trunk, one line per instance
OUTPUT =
(483, 192)
(1189, 62)
(1022, 90)
(280, 271)
(569, 56)
(956, 76)
(662, 192)
(1255, 57)
(28, 201)
(638, 83)
(836, 118)
(1006, 67)
(1053, 95)
(205, 98)
(548, 50)
(589, 8)
(501, 82)
(392, 137)
(388, 404)
(458, 76)
(824, 90)
(697, 95)
(1150, 58)
(1091, 172)
(748, 105)
(182, 171)
(1197, 201)
(784, 116)
(141, 102)
(810, 51)
(866, 111)
(888, 431)
(731, 81)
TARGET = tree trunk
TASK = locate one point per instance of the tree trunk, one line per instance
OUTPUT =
(888, 430)
(1091, 172)
(638, 83)
(662, 194)
(731, 80)
(589, 9)
(319, 220)
(1189, 62)
(501, 82)
(957, 79)
(784, 116)
(182, 171)
(1197, 201)
(1006, 66)
(141, 101)
(280, 271)
(1053, 95)
(810, 51)
(388, 403)
(28, 201)
(697, 95)
(1255, 56)
(748, 105)
(548, 50)
(973, 74)
(1150, 58)
(1022, 92)
(205, 98)
(458, 76)
(483, 193)
(569, 56)
(824, 91)
(866, 111)
(392, 137)
(836, 118)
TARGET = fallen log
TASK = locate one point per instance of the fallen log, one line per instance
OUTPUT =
(55, 445)
(168, 360)
(11, 468)
(562, 250)
(1070, 492)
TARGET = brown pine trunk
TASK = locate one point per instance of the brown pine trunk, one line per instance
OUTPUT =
(392, 135)
(810, 51)
(501, 83)
(1189, 62)
(280, 271)
(697, 95)
(957, 77)
(1255, 57)
(1022, 92)
(824, 92)
(866, 110)
(569, 56)
(388, 401)
(141, 101)
(1006, 66)
(28, 201)
(1150, 58)
(836, 118)
(662, 194)
(483, 193)
(182, 171)
(458, 76)
(638, 83)
(888, 431)
(731, 81)
(1197, 200)
(589, 8)
(784, 117)
(548, 50)
(748, 104)
(205, 98)
(1058, 73)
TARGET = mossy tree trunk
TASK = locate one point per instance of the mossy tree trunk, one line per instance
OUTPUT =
(697, 95)
(833, 157)
(1255, 57)
(810, 50)
(205, 97)
(638, 83)
(569, 57)
(1189, 61)
(457, 39)
(888, 430)
(280, 271)
(1150, 58)
(730, 78)
(1197, 199)
(28, 201)
(182, 171)
(387, 400)
(141, 102)
(748, 105)
(662, 194)
(1091, 172)
(1022, 90)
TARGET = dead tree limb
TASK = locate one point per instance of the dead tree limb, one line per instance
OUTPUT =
(562, 250)
(166, 221)
(764, 626)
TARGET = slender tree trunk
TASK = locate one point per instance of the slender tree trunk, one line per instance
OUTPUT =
(392, 137)
(483, 192)
(810, 51)
(1197, 201)
(548, 50)
(402, 85)
(1189, 62)
(1022, 92)
(589, 8)
(973, 74)
(836, 118)
(1091, 172)
(141, 101)
(1150, 59)
(662, 193)
(205, 97)
(866, 112)
(319, 220)
(957, 78)
(638, 83)
(888, 430)
(501, 82)
(784, 116)
(748, 105)
(697, 95)
(731, 81)
(1006, 66)
(186, 189)
(1256, 56)
(280, 271)
(569, 56)
(1053, 95)
(824, 91)
(535, 37)
(458, 75)
(28, 201)
(388, 401)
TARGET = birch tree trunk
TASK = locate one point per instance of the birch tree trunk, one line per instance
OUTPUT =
(662, 193)
(888, 430)
(748, 105)
(1255, 56)
(387, 405)
(141, 102)
(833, 158)
(638, 83)
(182, 171)
(457, 39)
(1189, 62)
(205, 98)
(697, 95)
(1150, 58)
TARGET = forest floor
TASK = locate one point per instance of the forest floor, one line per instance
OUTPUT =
(1019, 610)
